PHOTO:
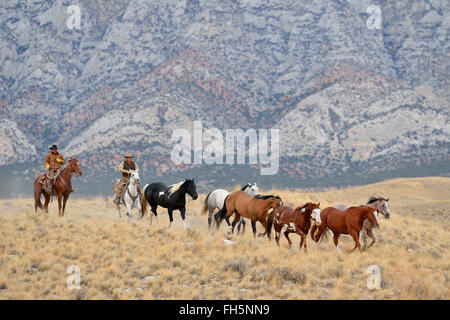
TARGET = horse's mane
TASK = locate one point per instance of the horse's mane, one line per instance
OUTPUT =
(374, 199)
(245, 187)
(175, 187)
(267, 196)
(302, 207)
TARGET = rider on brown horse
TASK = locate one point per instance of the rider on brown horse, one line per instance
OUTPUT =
(53, 162)
(122, 183)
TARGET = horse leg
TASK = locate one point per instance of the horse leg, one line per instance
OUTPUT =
(355, 236)
(336, 241)
(59, 203)
(118, 208)
(170, 212)
(66, 197)
(277, 233)
(242, 222)
(319, 233)
(254, 228)
(313, 231)
(129, 211)
(47, 201)
(372, 236)
(263, 222)
(286, 234)
(302, 239)
(363, 234)
(235, 221)
(183, 216)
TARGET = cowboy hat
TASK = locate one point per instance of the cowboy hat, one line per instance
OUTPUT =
(128, 155)
(54, 147)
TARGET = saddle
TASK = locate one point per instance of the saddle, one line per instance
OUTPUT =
(48, 179)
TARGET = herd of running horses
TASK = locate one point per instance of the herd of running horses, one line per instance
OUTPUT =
(221, 205)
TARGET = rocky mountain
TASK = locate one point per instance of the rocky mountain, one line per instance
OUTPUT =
(352, 103)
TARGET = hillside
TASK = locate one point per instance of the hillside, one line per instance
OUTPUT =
(348, 100)
(119, 259)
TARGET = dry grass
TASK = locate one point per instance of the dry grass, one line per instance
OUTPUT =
(123, 260)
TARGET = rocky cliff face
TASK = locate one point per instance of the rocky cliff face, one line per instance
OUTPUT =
(346, 98)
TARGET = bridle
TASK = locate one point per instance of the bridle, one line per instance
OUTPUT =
(134, 198)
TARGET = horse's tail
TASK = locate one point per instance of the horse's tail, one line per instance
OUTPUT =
(144, 203)
(205, 205)
(222, 213)
(37, 200)
(269, 224)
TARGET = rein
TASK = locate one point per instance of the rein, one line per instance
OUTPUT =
(134, 198)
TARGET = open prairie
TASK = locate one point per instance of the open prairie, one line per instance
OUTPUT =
(119, 259)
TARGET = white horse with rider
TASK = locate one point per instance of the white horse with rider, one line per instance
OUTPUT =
(131, 197)
(215, 200)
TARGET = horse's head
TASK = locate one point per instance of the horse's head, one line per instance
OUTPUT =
(191, 189)
(134, 177)
(277, 203)
(315, 213)
(381, 204)
(251, 189)
(74, 166)
(373, 216)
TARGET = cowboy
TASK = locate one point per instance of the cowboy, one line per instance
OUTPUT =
(122, 183)
(53, 162)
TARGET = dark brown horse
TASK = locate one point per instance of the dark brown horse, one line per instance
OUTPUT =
(296, 220)
(255, 208)
(62, 188)
(349, 221)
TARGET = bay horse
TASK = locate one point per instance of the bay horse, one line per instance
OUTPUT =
(216, 198)
(255, 208)
(62, 188)
(171, 197)
(382, 206)
(132, 196)
(296, 220)
(349, 221)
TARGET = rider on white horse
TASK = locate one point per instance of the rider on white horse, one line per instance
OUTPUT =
(132, 195)
(125, 168)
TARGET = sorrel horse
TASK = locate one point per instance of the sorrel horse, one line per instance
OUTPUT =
(349, 221)
(172, 198)
(296, 220)
(255, 208)
(382, 206)
(62, 188)
(216, 198)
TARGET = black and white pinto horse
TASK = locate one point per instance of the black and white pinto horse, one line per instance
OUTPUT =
(171, 197)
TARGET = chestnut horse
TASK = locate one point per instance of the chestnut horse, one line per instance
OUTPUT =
(349, 221)
(296, 220)
(255, 208)
(382, 206)
(62, 188)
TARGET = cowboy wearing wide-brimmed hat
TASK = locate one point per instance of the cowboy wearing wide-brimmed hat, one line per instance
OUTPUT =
(53, 163)
(121, 184)
(54, 160)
